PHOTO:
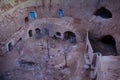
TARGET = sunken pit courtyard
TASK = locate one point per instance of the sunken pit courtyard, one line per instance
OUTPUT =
(59, 40)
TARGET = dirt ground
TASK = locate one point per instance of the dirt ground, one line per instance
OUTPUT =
(32, 62)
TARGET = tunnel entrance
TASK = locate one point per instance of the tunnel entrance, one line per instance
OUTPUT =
(68, 35)
(105, 44)
(30, 33)
(103, 12)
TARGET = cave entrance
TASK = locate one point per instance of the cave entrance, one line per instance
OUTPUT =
(106, 45)
(68, 35)
(30, 33)
(103, 12)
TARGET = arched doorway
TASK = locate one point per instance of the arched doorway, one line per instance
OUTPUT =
(68, 35)
(38, 33)
(109, 42)
(103, 12)
(105, 44)
(30, 33)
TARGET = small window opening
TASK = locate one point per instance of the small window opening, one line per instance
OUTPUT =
(37, 30)
(20, 39)
(58, 33)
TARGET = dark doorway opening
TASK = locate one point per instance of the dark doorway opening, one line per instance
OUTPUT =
(58, 33)
(10, 46)
(38, 33)
(37, 30)
(103, 12)
(68, 35)
(26, 19)
(105, 44)
(109, 40)
(30, 33)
